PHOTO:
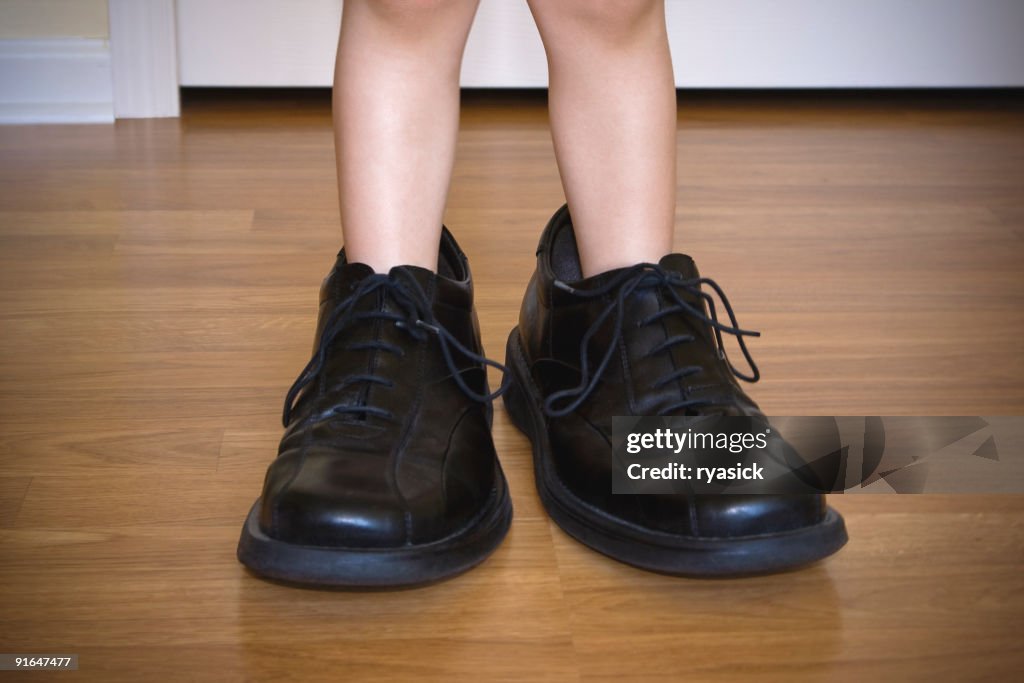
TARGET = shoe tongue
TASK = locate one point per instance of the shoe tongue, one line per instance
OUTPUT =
(351, 273)
(342, 279)
(423, 276)
(346, 277)
(685, 266)
(680, 263)
(440, 288)
(426, 279)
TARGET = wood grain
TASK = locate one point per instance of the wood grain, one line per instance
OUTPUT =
(158, 284)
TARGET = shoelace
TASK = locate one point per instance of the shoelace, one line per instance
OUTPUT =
(640, 277)
(417, 319)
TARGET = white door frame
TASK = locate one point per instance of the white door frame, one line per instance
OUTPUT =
(144, 58)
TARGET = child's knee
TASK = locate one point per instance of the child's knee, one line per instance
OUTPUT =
(416, 10)
(599, 18)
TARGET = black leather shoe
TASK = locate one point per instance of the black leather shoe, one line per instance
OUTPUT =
(641, 341)
(386, 474)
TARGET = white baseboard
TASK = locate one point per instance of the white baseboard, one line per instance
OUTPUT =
(65, 80)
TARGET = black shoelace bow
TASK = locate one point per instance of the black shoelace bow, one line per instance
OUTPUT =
(416, 318)
(651, 276)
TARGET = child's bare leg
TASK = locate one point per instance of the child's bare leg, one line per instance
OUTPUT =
(396, 114)
(613, 120)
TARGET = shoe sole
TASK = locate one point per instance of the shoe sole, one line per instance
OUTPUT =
(380, 568)
(644, 548)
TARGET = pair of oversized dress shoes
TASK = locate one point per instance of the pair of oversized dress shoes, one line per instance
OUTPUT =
(387, 474)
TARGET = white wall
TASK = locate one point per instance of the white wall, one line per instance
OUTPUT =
(55, 62)
(27, 19)
(715, 43)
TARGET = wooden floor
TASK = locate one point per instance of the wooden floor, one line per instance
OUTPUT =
(158, 283)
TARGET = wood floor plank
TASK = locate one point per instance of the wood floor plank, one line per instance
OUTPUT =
(158, 288)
